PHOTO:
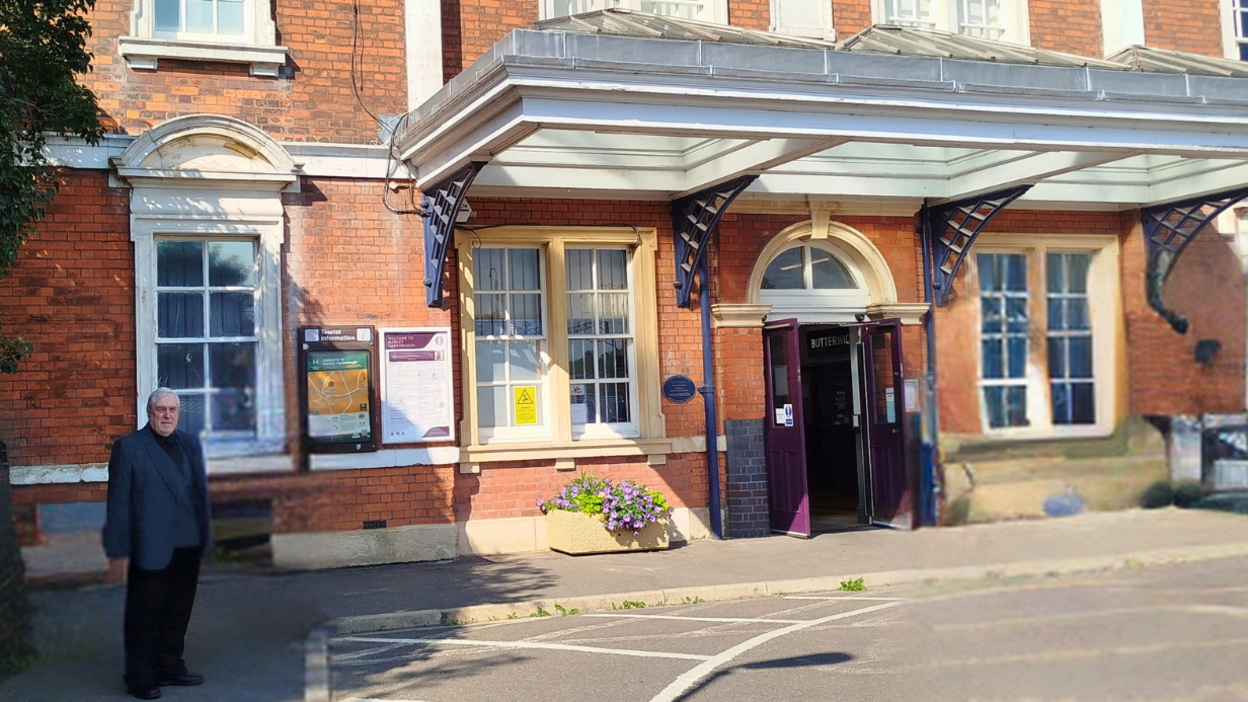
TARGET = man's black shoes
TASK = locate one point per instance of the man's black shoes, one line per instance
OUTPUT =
(181, 680)
(144, 692)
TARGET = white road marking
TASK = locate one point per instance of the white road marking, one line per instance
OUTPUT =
(373, 699)
(366, 652)
(531, 644)
(730, 620)
(813, 597)
(682, 684)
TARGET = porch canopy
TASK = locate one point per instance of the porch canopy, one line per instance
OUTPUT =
(618, 104)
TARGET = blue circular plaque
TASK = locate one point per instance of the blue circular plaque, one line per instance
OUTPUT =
(679, 388)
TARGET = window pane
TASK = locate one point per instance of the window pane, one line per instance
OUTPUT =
(785, 271)
(229, 17)
(1061, 403)
(581, 359)
(233, 314)
(584, 403)
(1083, 405)
(613, 358)
(523, 269)
(180, 366)
(1081, 357)
(1077, 272)
(232, 263)
(524, 360)
(994, 406)
(1016, 314)
(199, 16)
(491, 362)
(491, 402)
(988, 278)
(993, 319)
(580, 265)
(168, 15)
(1016, 272)
(614, 402)
(191, 413)
(1016, 406)
(827, 273)
(487, 269)
(1057, 358)
(179, 264)
(1077, 309)
(612, 273)
(614, 313)
(1055, 273)
(489, 315)
(232, 366)
(526, 315)
(233, 410)
(180, 315)
(581, 313)
(1057, 314)
(993, 358)
(1017, 348)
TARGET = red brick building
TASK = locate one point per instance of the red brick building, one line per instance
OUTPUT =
(276, 167)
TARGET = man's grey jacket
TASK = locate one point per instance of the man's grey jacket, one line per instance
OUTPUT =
(143, 498)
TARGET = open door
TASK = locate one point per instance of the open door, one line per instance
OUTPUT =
(784, 434)
(885, 417)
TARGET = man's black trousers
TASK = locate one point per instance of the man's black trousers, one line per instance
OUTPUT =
(158, 608)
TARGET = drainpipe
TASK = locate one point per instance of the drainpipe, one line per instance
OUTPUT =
(708, 399)
(929, 506)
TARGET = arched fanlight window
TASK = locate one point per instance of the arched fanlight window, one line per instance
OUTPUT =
(807, 267)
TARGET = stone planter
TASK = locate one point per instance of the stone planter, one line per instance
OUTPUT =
(576, 534)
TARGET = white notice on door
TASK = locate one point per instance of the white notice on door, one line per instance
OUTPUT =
(779, 415)
(890, 402)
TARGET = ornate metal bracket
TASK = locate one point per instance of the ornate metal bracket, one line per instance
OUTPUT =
(441, 205)
(1168, 229)
(694, 218)
(951, 229)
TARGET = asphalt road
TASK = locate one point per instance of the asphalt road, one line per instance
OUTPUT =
(1168, 633)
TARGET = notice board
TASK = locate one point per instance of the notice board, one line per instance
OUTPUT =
(417, 386)
(337, 390)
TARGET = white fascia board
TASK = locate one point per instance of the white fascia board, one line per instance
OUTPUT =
(755, 158)
(1025, 168)
(485, 141)
(1226, 177)
(590, 181)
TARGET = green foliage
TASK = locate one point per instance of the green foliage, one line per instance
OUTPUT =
(626, 505)
(539, 613)
(1188, 492)
(42, 50)
(566, 612)
(854, 585)
(1159, 494)
(513, 615)
(692, 600)
(629, 604)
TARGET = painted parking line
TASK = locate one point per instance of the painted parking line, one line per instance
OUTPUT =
(815, 597)
(722, 620)
(530, 644)
(682, 684)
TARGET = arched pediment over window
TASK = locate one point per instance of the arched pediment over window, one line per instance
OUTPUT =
(207, 148)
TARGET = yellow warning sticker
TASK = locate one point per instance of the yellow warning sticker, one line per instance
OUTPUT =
(526, 404)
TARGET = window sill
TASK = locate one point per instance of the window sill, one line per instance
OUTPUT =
(656, 450)
(142, 53)
(247, 465)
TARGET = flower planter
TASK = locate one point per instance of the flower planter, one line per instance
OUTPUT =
(577, 534)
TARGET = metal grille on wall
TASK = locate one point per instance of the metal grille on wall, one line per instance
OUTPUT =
(694, 218)
(951, 229)
(441, 205)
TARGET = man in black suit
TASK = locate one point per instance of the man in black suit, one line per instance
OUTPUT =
(155, 535)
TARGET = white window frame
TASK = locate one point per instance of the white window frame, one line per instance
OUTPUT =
(1015, 20)
(1105, 314)
(646, 434)
(257, 46)
(714, 11)
(542, 430)
(831, 305)
(270, 395)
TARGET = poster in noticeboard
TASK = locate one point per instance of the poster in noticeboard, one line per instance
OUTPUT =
(417, 386)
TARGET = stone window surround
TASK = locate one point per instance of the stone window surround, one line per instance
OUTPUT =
(142, 49)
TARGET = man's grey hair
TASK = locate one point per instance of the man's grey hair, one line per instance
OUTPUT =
(157, 395)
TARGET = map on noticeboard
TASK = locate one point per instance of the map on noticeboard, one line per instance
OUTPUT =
(338, 395)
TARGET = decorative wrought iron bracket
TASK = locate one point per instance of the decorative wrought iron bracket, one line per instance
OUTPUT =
(951, 229)
(1168, 229)
(441, 205)
(694, 218)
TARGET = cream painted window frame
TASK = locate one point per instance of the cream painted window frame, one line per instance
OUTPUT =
(1105, 311)
(651, 440)
(257, 47)
(715, 11)
(1016, 23)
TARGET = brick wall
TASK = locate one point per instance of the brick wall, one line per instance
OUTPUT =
(1069, 26)
(312, 101)
(71, 296)
(471, 27)
(850, 17)
(1184, 25)
(748, 506)
(750, 14)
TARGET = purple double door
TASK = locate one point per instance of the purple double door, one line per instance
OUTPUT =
(882, 420)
